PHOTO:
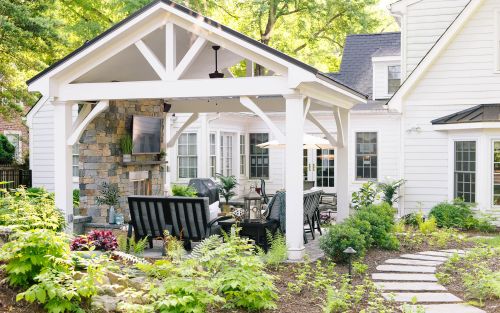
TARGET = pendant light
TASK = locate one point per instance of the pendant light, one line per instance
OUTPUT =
(216, 74)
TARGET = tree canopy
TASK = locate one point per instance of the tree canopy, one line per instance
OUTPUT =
(35, 34)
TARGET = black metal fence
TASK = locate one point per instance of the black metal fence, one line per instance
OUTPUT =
(13, 178)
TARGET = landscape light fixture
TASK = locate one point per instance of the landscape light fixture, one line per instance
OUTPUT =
(350, 252)
(216, 74)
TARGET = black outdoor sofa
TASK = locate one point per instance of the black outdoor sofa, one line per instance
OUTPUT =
(185, 218)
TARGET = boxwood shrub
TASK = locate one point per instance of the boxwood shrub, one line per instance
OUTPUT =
(338, 238)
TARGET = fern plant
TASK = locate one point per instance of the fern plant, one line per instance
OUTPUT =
(278, 252)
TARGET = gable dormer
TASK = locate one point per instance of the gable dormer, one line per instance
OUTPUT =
(371, 64)
(422, 23)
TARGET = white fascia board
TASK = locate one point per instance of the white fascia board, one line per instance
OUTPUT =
(391, 58)
(103, 41)
(437, 49)
(465, 126)
(400, 6)
(320, 90)
(37, 106)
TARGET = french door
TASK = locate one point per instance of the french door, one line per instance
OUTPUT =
(226, 153)
(319, 167)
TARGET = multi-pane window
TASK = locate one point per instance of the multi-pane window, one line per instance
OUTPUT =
(187, 156)
(325, 168)
(213, 156)
(15, 140)
(243, 157)
(259, 158)
(496, 173)
(394, 78)
(465, 170)
(226, 154)
(76, 160)
(366, 155)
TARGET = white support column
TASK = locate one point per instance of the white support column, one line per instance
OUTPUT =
(343, 196)
(63, 165)
(204, 146)
(294, 180)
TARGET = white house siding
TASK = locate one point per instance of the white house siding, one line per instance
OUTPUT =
(425, 22)
(381, 77)
(461, 77)
(42, 147)
(387, 125)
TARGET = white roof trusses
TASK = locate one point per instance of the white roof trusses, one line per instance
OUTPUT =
(165, 51)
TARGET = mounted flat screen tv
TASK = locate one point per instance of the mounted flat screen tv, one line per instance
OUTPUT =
(146, 134)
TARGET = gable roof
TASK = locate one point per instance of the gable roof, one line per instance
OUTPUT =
(356, 69)
(438, 47)
(210, 22)
(477, 114)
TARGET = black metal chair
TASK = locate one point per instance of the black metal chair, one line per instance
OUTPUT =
(311, 203)
(185, 218)
(263, 194)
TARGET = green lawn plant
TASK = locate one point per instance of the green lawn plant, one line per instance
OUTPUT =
(218, 273)
(25, 209)
(184, 191)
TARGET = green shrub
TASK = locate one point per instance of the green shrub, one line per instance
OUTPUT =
(429, 226)
(28, 253)
(184, 191)
(338, 238)
(381, 220)
(413, 219)
(30, 209)
(365, 196)
(390, 191)
(457, 214)
(363, 226)
(7, 150)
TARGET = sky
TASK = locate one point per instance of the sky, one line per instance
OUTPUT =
(385, 3)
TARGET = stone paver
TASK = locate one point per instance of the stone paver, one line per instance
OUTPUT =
(404, 277)
(407, 280)
(458, 251)
(406, 268)
(450, 308)
(422, 297)
(409, 286)
(423, 257)
(437, 253)
(413, 262)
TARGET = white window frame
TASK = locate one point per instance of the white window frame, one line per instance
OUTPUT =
(453, 190)
(388, 78)
(355, 167)
(380, 73)
(491, 161)
(249, 156)
(243, 154)
(196, 155)
(18, 133)
(212, 155)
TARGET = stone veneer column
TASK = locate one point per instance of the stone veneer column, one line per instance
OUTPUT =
(101, 157)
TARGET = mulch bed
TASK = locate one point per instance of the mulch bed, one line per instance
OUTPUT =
(305, 301)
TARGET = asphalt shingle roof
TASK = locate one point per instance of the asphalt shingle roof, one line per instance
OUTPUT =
(356, 69)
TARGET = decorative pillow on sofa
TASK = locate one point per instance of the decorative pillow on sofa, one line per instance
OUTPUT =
(214, 210)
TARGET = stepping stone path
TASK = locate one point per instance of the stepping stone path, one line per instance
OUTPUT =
(411, 277)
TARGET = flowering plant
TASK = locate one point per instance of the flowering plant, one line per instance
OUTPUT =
(101, 240)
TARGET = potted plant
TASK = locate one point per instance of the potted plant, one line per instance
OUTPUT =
(226, 187)
(108, 196)
(161, 155)
(126, 145)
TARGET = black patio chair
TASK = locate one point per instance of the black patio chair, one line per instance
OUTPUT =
(185, 218)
